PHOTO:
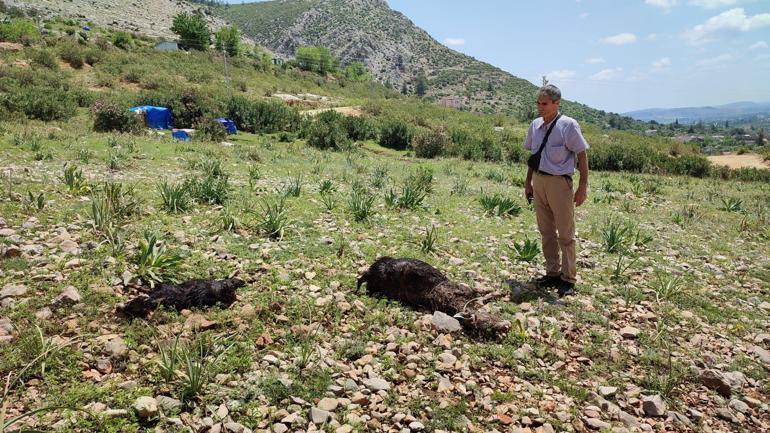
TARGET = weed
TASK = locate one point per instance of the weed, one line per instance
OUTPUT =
(459, 186)
(34, 202)
(665, 287)
(326, 187)
(329, 201)
(274, 219)
(622, 265)
(379, 177)
(428, 243)
(210, 190)
(731, 204)
(254, 175)
(615, 235)
(175, 197)
(361, 204)
(293, 187)
(84, 155)
(155, 263)
(497, 205)
(228, 222)
(527, 250)
(75, 181)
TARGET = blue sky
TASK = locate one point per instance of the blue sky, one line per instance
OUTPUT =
(616, 55)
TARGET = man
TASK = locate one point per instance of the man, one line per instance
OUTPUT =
(551, 187)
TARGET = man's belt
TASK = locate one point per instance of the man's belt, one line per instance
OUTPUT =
(549, 174)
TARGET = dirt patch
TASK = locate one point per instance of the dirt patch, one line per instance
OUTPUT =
(11, 46)
(347, 111)
(747, 160)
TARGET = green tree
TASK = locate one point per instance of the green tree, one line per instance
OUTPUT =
(421, 86)
(356, 71)
(193, 31)
(761, 137)
(316, 59)
(228, 39)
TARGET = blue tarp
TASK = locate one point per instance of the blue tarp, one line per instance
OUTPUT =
(155, 117)
(228, 124)
(181, 135)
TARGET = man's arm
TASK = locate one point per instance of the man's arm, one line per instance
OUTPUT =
(528, 190)
(582, 191)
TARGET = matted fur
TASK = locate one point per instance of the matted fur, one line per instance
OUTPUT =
(190, 294)
(418, 284)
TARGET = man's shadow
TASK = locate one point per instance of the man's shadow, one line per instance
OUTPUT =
(528, 292)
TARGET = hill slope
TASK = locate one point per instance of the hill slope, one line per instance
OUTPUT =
(735, 110)
(394, 50)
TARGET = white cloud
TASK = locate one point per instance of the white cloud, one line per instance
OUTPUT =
(713, 4)
(560, 75)
(606, 74)
(666, 5)
(584, 15)
(758, 45)
(595, 60)
(732, 20)
(652, 37)
(454, 41)
(715, 61)
(620, 39)
(661, 64)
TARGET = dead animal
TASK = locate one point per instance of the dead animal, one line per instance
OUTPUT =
(190, 294)
(418, 284)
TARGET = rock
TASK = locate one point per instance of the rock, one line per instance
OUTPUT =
(32, 250)
(319, 416)
(717, 381)
(377, 384)
(69, 296)
(345, 428)
(7, 232)
(628, 420)
(762, 338)
(596, 424)
(103, 365)
(13, 290)
(146, 407)
(235, 427)
(629, 332)
(43, 313)
(11, 251)
(762, 354)
(116, 347)
(416, 426)
(765, 306)
(328, 404)
(607, 391)
(443, 322)
(168, 404)
(198, 321)
(725, 414)
(69, 246)
(678, 418)
(739, 406)
(280, 428)
(359, 398)
(653, 405)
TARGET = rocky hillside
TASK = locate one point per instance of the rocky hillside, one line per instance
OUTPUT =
(148, 17)
(394, 49)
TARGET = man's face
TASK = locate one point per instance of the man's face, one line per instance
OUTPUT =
(547, 108)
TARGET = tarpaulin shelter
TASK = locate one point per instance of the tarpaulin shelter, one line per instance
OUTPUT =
(228, 124)
(182, 134)
(155, 117)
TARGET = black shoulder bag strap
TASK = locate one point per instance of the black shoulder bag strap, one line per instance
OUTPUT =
(545, 139)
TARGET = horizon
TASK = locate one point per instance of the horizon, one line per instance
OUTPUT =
(655, 53)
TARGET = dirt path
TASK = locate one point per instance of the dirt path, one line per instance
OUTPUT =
(747, 160)
(347, 111)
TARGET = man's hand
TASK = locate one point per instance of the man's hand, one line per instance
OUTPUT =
(528, 191)
(581, 194)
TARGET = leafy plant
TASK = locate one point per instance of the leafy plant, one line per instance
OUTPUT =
(156, 264)
(379, 177)
(361, 204)
(329, 201)
(527, 250)
(622, 265)
(274, 217)
(615, 235)
(254, 175)
(731, 204)
(36, 202)
(227, 221)
(326, 187)
(74, 179)
(84, 155)
(428, 243)
(293, 187)
(459, 186)
(175, 197)
(497, 205)
(210, 190)
(665, 286)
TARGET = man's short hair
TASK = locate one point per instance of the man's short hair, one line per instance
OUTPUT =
(550, 91)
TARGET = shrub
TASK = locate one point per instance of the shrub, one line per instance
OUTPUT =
(188, 107)
(72, 54)
(430, 143)
(193, 31)
(361, 204)
(44, 58)
(19, 30)
(122, 40)
(42, 103)
(262, 116)
(211, 130)
(360, 128)
(327, 131)
(210, 189)
(175, 198)
(395, 134)
(109, 116)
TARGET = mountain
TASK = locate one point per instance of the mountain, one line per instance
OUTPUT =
(395, 51)
(733, 111)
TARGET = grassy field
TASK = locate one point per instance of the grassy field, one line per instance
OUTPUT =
(682, 261)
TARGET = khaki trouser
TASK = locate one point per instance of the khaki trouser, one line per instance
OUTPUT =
(555, 211)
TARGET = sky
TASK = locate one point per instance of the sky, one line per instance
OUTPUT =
(615, 55)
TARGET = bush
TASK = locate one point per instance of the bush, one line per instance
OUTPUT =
(430, 143)
(72, 54)
(19, 30)
(327, 131)
(188, 107)
(109, 116)
(395, 134)
(45, 58)
(211, 130)
(44, 104)
(360, 128)
(122, 40)
(262, 116)
(193, 31)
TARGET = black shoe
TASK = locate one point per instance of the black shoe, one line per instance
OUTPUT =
(565, 288)
(547, 281)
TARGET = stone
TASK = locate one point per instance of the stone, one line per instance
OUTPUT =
(607, 391)
(629, 332)
(116, 347)
(717, 381)
(597, 424)
(628, 420)
(280, 428)
(70, 296)
(416, 426)
(345, 428)
(146, 407)
(43, 313)
(69, 246)
(328, 404)
(11, 251)
(678, 418)
(359, 398)
(235, 427)
(377, 384)
(725, 414)
(319, 416)
(443, 322)
(762, 354)
(103, 365)
(13, 290)
(169, 405)
(739, 406)
(653, 405)
(7, 232)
